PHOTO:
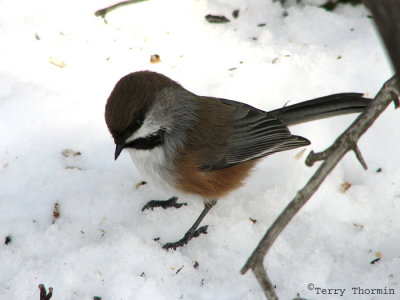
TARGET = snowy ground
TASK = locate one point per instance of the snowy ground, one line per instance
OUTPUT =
(102, 244)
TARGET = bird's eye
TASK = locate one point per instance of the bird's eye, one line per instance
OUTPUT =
(136, 124)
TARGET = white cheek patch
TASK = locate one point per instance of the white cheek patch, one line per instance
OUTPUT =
(148, 127)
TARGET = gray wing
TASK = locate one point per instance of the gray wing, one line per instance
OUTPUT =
(255, 134)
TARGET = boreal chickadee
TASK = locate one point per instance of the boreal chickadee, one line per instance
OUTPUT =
(204, 145)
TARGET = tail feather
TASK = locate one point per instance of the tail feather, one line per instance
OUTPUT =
(320, 108)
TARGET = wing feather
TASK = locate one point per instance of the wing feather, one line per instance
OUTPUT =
(255, 134)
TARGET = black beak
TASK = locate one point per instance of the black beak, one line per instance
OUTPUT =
(118, 150)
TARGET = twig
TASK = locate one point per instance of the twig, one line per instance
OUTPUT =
(350, 137)
(360, 158)
(43, 293)
(346, 142)
(102, 12)
(264, 281)
(387, 18)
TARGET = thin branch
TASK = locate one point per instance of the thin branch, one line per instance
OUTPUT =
(102, 12)
(344, 143)
(387, 18)
(43, 293)
(264, 281)
(360, 158)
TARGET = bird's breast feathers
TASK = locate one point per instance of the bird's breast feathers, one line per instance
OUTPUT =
(153, 165)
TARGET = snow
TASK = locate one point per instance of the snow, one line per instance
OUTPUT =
(102, 243)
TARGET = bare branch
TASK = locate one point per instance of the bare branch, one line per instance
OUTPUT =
(387, 18)
(344, 143)
(265, 282)
(43, 293)
(360, 157)
(102, 12)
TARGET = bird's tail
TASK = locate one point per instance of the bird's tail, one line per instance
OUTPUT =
(319, 108)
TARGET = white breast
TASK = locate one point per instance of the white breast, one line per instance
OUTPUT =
(152, 164)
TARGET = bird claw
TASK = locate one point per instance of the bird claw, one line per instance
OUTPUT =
(186, 238)
(171, 202)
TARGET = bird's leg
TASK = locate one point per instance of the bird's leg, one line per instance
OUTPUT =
(193, 231)
(171, 202)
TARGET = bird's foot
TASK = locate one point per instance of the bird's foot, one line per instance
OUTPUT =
(186, 238)
(171, 202)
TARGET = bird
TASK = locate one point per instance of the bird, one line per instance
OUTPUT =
(200, 145)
